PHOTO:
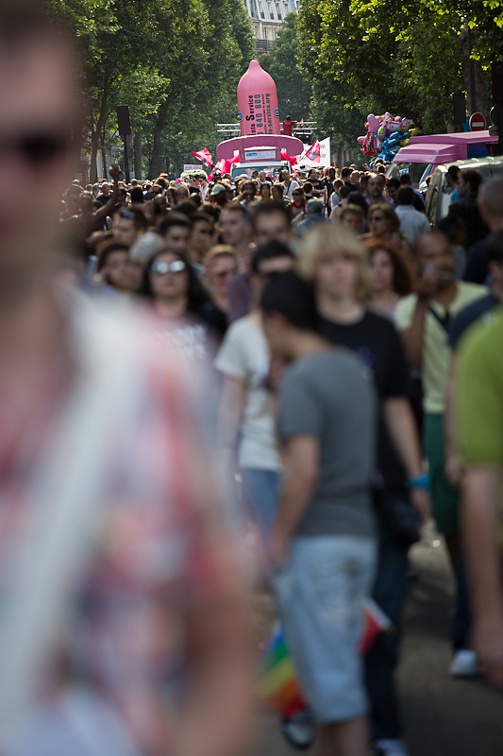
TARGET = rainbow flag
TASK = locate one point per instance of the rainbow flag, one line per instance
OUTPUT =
(277, 683)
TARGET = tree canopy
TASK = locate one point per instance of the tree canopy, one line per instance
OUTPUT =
(407, 57)
(174, 62)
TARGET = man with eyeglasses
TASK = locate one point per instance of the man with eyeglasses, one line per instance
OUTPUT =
(117, 572)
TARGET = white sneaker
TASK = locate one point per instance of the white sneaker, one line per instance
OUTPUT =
(299, 730)
(390, 748)
(464, 664)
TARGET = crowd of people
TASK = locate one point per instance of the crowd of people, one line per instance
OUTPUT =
(182, 363)
(252, 276)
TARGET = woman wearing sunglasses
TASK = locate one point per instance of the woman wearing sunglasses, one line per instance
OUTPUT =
(172, 286)
(298, 203)
(186, 321)
(384, 224)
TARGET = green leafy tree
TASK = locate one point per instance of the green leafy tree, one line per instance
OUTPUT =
(407, 57)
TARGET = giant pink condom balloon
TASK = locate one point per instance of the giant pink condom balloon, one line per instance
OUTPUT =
(258, 102)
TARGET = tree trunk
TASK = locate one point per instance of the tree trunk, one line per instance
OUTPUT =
(97, 135)
(155, 167)
(473, 77)
(138, 154)
(104, 153)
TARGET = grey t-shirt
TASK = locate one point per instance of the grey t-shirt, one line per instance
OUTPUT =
(331, 396)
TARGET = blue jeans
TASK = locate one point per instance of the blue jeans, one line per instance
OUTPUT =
(390, 592)
(261, 488)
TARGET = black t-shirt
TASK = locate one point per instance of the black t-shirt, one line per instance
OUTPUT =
(212, 315)
(468, 316)
(378, 344)
(477, 267)
(467, 209)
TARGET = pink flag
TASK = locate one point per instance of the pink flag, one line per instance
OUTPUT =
(291, 159)
(205, 157)
(314, 152)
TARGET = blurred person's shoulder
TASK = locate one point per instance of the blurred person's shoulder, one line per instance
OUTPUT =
(405, 311)
(468, 293)
(108, 328)
(484, 339)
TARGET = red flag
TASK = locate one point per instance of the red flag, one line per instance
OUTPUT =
(375, 622)
(204, 156)
(313, 153)
(224, 166)
(291, 159)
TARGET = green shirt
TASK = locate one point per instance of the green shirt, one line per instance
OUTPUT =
(436, 352)
(479, 394)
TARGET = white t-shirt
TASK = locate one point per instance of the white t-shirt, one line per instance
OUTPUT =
(244, 356)
(288, 190)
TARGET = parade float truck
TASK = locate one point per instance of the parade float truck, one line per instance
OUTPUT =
(424, 153)
(260, 146)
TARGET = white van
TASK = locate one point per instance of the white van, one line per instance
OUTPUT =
(438, 197)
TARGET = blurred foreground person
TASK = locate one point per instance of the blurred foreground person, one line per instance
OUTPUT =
(116, 577)
(324, 537)
(424, 320)
(479, 394)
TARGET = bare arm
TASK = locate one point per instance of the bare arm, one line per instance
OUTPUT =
(453, 463)
(217, 713)
(301, 460)
(100, 216)
(482, 489)
(413, 337)
(230, 412)
(217, 707)
(401, 427)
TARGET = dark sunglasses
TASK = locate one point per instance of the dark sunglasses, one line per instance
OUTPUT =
(161, 268)
(38, 149)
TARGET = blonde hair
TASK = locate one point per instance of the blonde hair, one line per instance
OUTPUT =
(221, 250)
(328, 241)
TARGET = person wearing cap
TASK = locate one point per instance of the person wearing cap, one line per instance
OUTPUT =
(218, 195)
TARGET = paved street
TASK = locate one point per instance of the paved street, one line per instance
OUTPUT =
(443, 717)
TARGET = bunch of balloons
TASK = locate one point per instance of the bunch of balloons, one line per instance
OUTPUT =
(385, 135)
